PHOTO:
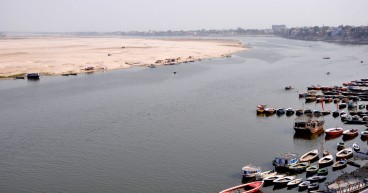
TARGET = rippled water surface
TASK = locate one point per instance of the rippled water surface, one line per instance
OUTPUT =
(149, 130)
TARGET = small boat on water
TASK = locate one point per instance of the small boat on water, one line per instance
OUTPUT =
(313, 186)
(309, 156)
(250, 171)
(261, 109)
(335, 113)
(364, 134)
(299, 167)
(351, 133)
(289, 111)
(326, 153)
(280, 111)
(288, 88)
(266, 174)
(270, 179)
(316, 179)
(345, 153)
(33, 76)
(325, 161)
(245, 188)
(322, 172)
(284, 180)
(339, 164)
(294, 182)
(270, 111)
(312, 169)
(303, 185)
(299, 112)
(340, 145)
(285, 160)
(334, 131)
(356, 147)
(308, 125)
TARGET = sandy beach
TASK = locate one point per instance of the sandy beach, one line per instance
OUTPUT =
(59, 55)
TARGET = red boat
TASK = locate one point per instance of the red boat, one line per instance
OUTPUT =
(350, 133)
(334, 131)
(245, 188)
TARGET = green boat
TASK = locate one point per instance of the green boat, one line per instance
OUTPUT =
(312, 169)
(299, 167)
(322, 172)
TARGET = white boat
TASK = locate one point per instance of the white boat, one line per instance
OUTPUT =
(250, 171)
(262, 175)
(309, 156)
(325, 161)
(356, 147)
(294, 182)
(284, 180)
(304, 184)
(345, 153)
(272, 178)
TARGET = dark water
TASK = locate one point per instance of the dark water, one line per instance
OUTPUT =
(148, 130)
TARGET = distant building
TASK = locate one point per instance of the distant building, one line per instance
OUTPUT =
(278, 28)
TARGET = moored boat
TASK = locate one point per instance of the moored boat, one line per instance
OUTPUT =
(303, 185)
(283, 161)
(309, 156)
(334, 131)
(308, 125)
(356, 147)
(335, 113)
(289, 111)
(312, 169)
(340, 145)
(339, 164)
(325, 161)
(284, 180)
(313, 186)
(33, 76)
(322, 172)
(250, 171)
(270, 179)
(316, 179)
(280, 111)
(245, 188)
(351, 133)
(294, 182)
(262, 175)
(270, 111)
(299, 167)
(261, 109)
(345, 153)
(364, 134)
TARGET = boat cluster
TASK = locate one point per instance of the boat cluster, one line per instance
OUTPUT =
(287, 168)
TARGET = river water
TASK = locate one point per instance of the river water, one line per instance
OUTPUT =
(149, 130)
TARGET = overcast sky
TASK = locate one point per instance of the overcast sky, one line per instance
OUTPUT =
(144, 15)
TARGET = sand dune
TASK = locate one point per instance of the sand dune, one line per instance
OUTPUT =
(58, 55)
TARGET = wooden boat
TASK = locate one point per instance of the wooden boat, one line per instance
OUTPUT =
(339, 164)
(325, 153)
(309, 156)
(262, 175)
(308, 125)
(317, 113)
(310, 99)
(289, 111)
(261, 109)
(335, 113)
(322, 172)
(364, 134)
(317, 179)
(245, 188)
(272, 178)
(299, 112)
(356, 147)
(345, 153)
(270, 111)
(342, 105)
(336, 100)
(304, 185)
(340, 146)
(33, 76)
(326, 161)
(299, 167)
(312, 169)
(334, 131)
(280, 111)
(350, 133)
(284, 180)
(250, 171)
(294, 182)
(324, 113)
(285, 160)
(313, 186)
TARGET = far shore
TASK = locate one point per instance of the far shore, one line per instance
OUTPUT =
(70, 55)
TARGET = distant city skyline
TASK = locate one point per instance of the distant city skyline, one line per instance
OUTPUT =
(162, 15)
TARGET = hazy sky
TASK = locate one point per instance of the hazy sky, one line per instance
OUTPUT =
(143, 15)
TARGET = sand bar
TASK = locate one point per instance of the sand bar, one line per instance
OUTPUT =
(59, 55)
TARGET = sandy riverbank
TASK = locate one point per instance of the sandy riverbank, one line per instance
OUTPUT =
(58, 55)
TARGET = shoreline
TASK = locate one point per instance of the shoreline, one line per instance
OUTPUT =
(62, 55)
